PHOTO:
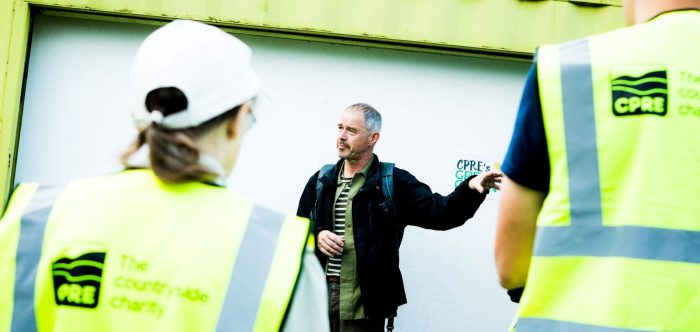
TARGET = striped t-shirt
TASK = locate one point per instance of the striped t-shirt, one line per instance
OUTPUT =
(341, 205)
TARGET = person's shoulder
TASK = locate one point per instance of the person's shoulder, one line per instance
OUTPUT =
(611, 34)
(88, 184)
(401, 171)
(121, 177)
(327, 170)
(135, 180)
(403, 175)
(623, 33)
(144, 182)
(314, 178)
(315, 175)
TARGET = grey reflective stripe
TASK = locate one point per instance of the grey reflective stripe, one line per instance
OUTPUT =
(586, 236)
(536, 324)
(250, 271)
(31, 239)
(580, 133)
(621, 241)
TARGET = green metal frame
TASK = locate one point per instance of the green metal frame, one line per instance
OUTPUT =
(14, 34)
(484, 28)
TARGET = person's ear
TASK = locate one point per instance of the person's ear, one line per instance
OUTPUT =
(373, 138)
(233, 123)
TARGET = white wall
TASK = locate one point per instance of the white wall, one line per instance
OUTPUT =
(437, 109)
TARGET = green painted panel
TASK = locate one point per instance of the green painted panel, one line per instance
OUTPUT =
(598, 2)
(6, 134)
(509, 26)
(491, 28)
(14, 19)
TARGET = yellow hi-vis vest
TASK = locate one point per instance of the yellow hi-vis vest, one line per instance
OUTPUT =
(128, 252)
(617, 246)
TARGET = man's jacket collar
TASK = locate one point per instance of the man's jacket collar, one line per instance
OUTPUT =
(372, 175)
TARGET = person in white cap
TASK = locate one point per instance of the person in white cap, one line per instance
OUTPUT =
(164, 245)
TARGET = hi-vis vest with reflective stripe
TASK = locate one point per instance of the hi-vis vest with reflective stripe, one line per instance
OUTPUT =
(127, 252)
(618, 238)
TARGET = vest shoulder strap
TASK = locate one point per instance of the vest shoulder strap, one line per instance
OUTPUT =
(265, 273)
(29, 209)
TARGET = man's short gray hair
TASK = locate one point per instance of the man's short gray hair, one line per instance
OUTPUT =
(373, 120)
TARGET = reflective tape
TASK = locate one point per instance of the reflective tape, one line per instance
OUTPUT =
(580, 133)
(622, 241)
(31, 239)
(537, 324)
(250, 272)
(586, 236)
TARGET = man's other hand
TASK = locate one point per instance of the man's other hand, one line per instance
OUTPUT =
(330, 244)
(485, 181)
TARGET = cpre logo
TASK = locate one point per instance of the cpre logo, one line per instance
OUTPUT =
(640, 94)
(77, 281)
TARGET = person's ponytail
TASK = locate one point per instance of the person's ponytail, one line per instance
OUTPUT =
(174, 154)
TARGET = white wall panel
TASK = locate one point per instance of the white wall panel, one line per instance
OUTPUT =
(437, 110)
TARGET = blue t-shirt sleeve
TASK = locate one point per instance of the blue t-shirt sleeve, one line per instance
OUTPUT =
(527, 160)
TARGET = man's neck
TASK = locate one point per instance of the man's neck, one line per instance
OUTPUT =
(351, 167)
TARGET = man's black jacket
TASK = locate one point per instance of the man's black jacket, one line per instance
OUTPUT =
(378, 231)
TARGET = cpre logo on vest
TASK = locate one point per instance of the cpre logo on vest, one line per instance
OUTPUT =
(76, 281)
(636, 94)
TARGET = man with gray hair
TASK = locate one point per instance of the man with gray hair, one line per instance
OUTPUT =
(360, 208)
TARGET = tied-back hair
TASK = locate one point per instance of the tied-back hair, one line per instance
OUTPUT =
(373, 120)
(174, 154)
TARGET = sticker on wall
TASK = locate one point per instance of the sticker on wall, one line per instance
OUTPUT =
(469, 165)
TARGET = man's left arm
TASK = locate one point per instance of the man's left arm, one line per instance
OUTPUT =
(515, 233)
(525, 186)
(417, 205)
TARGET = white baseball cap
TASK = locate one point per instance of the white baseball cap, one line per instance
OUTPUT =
(211, 67)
